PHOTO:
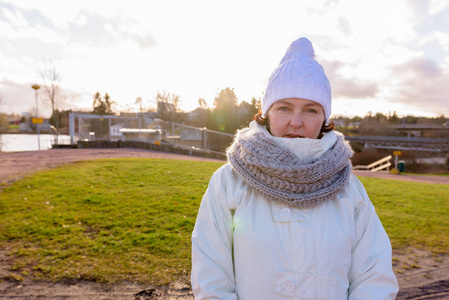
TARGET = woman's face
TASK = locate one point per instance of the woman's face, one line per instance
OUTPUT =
(296, 118)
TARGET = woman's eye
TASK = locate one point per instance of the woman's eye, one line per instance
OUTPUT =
(283, 108)
(312, 111)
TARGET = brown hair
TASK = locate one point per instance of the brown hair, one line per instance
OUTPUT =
(264, 121)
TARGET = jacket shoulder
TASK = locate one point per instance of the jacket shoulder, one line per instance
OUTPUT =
(224, 174)
(357, 192)
(231, 187)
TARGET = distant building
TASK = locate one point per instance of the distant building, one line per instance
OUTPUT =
(140, 134)
(25, 127)
(191, 137)
(29, 126)
(14, 123)
(45, 126)
(339, 123)
(114, 131)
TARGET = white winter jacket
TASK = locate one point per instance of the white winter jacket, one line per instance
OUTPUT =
(249, 248)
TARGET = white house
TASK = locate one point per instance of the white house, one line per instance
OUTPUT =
(115, 133)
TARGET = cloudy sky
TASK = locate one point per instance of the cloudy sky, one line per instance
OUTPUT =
(380, 56)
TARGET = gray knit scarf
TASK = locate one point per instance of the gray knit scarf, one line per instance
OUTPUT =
(281, 177)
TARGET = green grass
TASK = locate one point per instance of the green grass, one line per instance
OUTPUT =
(105, 220)
(131, 219)
(413, 214)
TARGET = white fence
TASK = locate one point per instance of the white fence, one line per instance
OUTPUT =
(380, 165)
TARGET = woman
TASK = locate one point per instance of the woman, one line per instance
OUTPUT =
(285, 218)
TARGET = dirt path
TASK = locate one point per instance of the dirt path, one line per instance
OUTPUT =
(403, 177)
(421, 275)
(15, 165)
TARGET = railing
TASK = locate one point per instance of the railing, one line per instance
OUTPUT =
(381, 164)
(104, 128)
(402, 143)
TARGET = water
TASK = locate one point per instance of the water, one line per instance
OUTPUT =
(29, 142)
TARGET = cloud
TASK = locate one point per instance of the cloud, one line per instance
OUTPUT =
(144, 41)
(20, 23)
(39, 26)
(418, 68)
(439, 37)
(348, 87)
(97, 30)
(12, 16)
(16, 97)
(437, 6)
(132, 50)
(430, 8)
(421, 82)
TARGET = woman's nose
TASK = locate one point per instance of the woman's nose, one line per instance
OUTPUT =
(296, 120)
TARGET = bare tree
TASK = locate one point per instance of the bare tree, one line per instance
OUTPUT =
(202, 103)
(168, 106)
(3, 121)
(51, 80)
(139, 101)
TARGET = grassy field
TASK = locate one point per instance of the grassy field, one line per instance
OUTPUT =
(105, 220)
(131, 219)
(413, 214)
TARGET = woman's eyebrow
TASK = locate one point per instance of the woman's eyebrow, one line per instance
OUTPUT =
(313, 104)
(283, 102)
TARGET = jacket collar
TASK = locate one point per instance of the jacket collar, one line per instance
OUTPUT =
(303, 148)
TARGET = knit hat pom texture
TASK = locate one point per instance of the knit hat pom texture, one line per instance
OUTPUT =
(303, 46)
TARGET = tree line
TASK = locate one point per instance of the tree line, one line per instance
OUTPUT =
(384, 125)
(228, 115)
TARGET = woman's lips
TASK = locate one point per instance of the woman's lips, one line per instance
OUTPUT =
(292, 136)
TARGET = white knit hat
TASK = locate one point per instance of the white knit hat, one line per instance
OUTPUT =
(299, 75)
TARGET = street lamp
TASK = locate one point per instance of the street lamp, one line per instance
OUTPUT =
(36, 87)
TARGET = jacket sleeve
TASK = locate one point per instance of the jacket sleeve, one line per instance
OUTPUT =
(371, 274)
(212, 240)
